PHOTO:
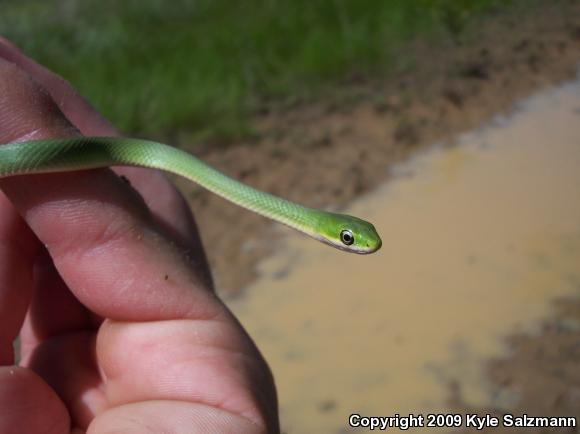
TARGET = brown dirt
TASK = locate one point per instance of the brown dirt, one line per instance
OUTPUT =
(326, 153)
(544, 371)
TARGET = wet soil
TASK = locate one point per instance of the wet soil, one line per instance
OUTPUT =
(326, 153)
(481, 239)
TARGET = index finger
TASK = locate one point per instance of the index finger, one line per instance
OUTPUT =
(163, 199)
(83, 215)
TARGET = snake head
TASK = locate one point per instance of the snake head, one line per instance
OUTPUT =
(348, 233)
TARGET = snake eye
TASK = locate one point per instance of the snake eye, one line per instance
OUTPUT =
(346, 237)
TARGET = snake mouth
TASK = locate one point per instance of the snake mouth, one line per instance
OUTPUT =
(350, 249)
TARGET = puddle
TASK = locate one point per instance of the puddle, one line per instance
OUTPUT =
(478, 240)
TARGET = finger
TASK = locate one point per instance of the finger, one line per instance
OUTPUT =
(80, 215)
(164, 200)
(169, 209)
(53, 311)
(211, 362)
(154, 417)
(28, 405)
(67, 363)
(18, 248)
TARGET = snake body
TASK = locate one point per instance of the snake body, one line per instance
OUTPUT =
(64, 155)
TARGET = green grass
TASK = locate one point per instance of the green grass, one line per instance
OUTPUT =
(158, 66)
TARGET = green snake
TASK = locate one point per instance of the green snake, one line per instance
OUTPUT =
(344, 232)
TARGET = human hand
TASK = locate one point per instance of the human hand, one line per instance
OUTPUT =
(108, 287)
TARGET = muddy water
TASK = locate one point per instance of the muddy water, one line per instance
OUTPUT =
(478, 240)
